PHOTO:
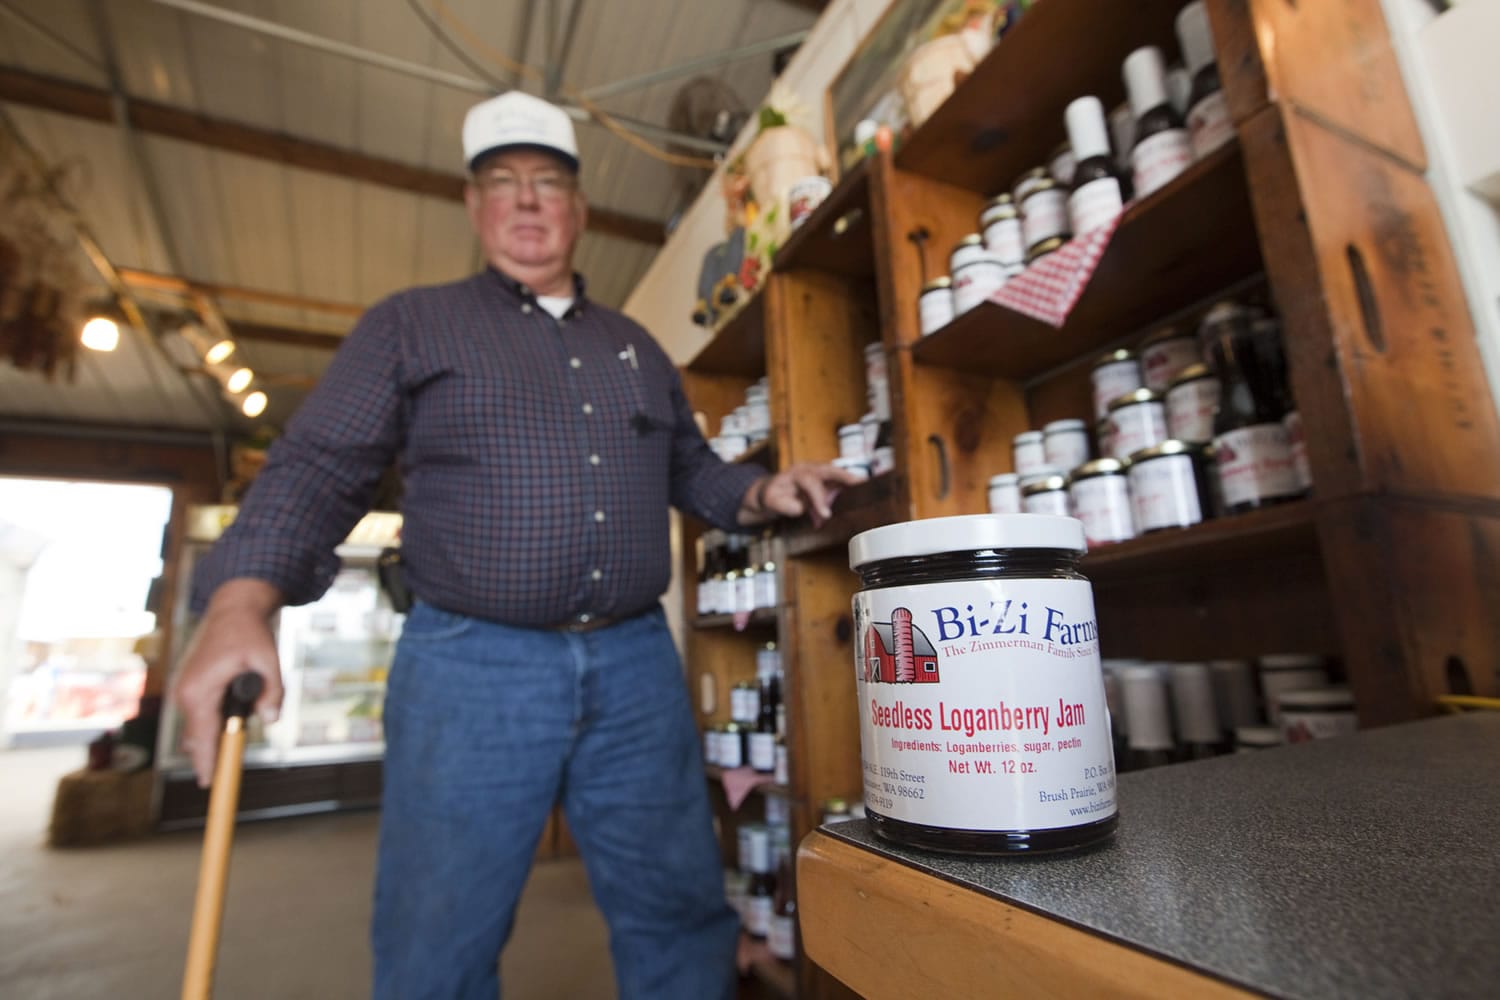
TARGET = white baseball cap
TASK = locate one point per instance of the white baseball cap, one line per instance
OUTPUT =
(516, 120)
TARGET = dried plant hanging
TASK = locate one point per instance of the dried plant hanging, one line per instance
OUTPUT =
(43, 286)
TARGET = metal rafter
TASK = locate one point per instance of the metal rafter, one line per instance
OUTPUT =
(694, 65)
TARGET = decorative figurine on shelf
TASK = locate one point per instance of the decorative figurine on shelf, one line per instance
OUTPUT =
(936, 67)
(720, 278)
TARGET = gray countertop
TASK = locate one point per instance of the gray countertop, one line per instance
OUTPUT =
(1364, 867)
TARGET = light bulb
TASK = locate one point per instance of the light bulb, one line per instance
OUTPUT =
(254, 404)
(219, 352)
(101, 334)
(239, 380)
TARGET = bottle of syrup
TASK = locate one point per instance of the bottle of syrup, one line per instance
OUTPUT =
(1098, 195)
(1163, 149)
(1208, 119)
(1251, 450)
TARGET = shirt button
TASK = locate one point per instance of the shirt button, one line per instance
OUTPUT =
(598, 515)
(575, 362)
(598, 574)
(593, 459)
(526, 308)
(588, 407)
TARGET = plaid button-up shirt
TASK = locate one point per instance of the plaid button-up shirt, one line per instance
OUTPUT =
(538, 459)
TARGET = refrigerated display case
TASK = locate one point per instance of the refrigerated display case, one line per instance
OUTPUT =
(324, 750)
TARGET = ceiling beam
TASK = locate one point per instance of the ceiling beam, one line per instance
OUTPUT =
(266, 333)
(172, 284)
(84, 101)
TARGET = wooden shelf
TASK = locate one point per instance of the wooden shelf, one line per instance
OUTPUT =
(738, 347)
(763, 455)
(857, 508)
(1289, 528)
(758, 617)
(1182, 244)
(1007, 117)
(837, 237)
(755, 959)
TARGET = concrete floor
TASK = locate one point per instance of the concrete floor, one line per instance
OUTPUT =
(112, 922)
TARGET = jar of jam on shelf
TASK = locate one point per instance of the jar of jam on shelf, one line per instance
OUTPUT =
(1100, 498)
(935, 305)
(1098, 196)
(1251, 449)
(1169, 486)
(1029, 453)
(1004, 493)
(1113, 375)
(1163, 149)
(1166, 352)
(976, 279)
(1136, 420)
(1208, 119)
(1044, 213)
(1192, 404)
(1046, 495)
(1065, 444)
(1001, 225)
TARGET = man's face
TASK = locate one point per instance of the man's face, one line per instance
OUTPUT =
(527, 210)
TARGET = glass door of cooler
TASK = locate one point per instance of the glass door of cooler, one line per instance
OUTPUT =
(335, 654)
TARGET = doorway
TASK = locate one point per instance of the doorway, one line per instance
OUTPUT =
(79, 566)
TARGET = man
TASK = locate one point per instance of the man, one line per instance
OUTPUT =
(541, 438)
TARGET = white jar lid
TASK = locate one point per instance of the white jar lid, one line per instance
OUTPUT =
(966, 533)
(1316, 699)
(1027, 437)
(1257, 736)
(1064, 426)
(1005, 479)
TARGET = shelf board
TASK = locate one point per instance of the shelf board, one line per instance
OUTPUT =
(1187, 241)
(738, 346)
(760, 616)
(837, 237)
(857, 508)
(1007, 116)
(763, 455)
(1262, 534)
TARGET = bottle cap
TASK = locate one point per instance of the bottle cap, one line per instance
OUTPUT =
(1086, 128)
(1146, 79)
(1194, 36)
(1148, 717)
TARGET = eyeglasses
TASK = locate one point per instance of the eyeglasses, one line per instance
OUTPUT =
(505, 184)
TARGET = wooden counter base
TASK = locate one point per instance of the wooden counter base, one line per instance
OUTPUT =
(887, 930)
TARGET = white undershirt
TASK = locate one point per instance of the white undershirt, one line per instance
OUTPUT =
(557, 305)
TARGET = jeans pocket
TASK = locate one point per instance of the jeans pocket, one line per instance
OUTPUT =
(430, 624)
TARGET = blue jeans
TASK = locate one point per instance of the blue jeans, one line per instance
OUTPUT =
(487, 726)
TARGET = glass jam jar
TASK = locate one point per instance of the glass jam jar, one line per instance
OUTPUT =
(1136, 420)
(1112, 376)
(983, 724)
(1170, 486)
(1100, 495)
(935, 305)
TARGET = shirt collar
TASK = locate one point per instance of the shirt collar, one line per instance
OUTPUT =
(524, 294)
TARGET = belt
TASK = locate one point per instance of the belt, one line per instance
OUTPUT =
(586, 622)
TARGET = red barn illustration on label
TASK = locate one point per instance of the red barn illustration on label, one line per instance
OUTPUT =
(899, 652)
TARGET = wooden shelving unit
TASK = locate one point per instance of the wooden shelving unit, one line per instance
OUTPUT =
(759, 618)
(1384, 566)
(1186, 241)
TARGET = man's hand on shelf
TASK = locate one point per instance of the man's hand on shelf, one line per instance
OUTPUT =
(805, 488)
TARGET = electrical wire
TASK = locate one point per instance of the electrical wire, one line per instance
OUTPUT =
(471, 40)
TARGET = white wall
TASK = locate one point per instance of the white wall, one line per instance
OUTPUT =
(663, 301)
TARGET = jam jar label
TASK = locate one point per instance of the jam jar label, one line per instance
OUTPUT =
(1190, 409)
(982, 705)
(1158, 158)
(1137, 426)
(1164, 359)
(1046, 216)
(1255, 463)
(1298, 442)
(1164, 493)
(1102, 503)
(1112, 381)
(1209, 124)
(1047, 502)
(1095, 204)
(1003, 240)
(1005, 499)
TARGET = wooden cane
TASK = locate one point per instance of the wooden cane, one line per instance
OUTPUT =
(218, 833)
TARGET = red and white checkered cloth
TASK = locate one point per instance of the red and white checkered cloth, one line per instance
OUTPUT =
(1048, 290)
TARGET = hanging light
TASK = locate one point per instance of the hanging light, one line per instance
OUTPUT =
(219, 352)
(101, 334)
(237, 382)
(254, 404)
